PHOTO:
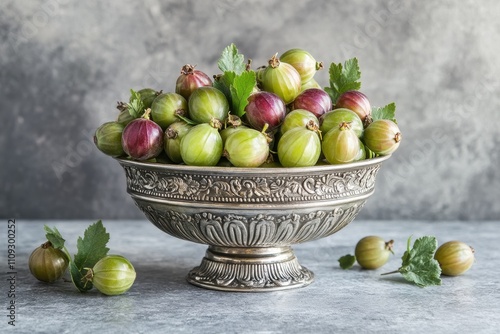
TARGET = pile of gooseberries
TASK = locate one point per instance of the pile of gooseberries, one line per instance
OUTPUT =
(288, 118)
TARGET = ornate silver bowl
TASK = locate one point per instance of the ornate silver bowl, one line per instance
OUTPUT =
(250, 217)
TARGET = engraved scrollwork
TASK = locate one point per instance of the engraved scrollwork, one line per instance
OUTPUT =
(228, 229)
(247, 189)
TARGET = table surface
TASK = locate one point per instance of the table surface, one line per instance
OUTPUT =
(338, 301)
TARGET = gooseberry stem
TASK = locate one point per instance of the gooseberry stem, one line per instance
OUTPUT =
(274, 62)
(248, 66)
(188, 69)
(397, 137)
(233, 121)
(171, 133)
(146, 113)
(311, 125)
(215, 123)
(88, 276)
(121, 106)
(264, 128)
(65, 250)
(345, 125)
(388, 245)
(46, 244)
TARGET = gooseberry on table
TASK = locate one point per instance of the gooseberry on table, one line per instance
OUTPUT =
(112, 275)
(373, 252)
(48, 264)
(454, 257)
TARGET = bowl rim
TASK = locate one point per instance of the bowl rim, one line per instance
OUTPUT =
(162, 166)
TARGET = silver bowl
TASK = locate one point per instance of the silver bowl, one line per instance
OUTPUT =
(250, 217)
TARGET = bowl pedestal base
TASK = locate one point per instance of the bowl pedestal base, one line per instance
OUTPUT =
(250, 269)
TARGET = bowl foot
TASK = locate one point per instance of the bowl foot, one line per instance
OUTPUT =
(250, 270)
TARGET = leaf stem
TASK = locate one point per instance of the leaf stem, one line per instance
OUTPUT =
(67, 253)
(390, 272)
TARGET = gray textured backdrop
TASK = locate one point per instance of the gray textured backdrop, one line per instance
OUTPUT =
(65, 63)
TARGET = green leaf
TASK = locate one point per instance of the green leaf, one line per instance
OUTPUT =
(231, 61)
(419, 265)
(241, 89)
(352, 74)
(343, 78)
(91, 249)
(54, 237)
(135, 106)
(387, 112)
(407, 252)
(224, 82)
(347, 261)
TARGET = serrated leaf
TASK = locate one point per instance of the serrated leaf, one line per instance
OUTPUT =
(231, 61)
(343, 78)
(347, 261)
(77, 276)
(136, 105)
(387, 112)
(352, 74)
(223, 83)
(423, 275)
(91, 249)
(54, 237)
(335, 72)
(350, 86)
(419, 265)
(241, 89)
(406, 254)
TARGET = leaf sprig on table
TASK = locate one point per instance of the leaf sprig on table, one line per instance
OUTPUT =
(418, 263)
(91, 248)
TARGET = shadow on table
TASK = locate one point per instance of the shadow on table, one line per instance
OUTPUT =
(169, 275)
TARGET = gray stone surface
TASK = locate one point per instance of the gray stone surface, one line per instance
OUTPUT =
(338, 301)
(65, 63)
